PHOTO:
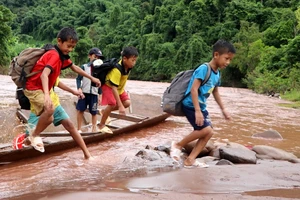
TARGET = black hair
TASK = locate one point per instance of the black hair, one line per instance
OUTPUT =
(222, 46)
(129, 52)
(67, 33)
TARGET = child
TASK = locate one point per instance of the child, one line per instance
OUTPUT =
(89, 91)
(113, 91)
(38, 86)
(59, 117)
(194, 105)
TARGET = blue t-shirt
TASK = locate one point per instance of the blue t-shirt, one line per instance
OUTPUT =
(205, 90)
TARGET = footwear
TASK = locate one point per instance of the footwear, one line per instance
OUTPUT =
(197, 164)
(79, 131)
(37, 143)
(175, 152)
(18, 141)
(105, 129)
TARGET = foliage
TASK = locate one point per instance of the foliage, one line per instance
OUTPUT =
(171, 36)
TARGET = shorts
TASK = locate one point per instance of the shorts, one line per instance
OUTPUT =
(190, 115)
(90, 101)
(59, 115)
(36, 98)
(108, 96)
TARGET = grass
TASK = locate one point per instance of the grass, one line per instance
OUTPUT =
(294, 97)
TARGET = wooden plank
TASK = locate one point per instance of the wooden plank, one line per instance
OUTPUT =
(21, 116)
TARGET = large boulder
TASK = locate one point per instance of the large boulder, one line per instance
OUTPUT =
(237, 153)
(268, 152)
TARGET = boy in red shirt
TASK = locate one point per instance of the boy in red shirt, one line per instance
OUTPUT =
(39, 85)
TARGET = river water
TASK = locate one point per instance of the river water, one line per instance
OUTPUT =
(67, 173)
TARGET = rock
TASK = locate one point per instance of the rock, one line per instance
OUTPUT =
(163, 148)
(207, 159)
(268, 152)
(208, 147)
(270, 134)
(224, 162)
(238, 155)
(150, 155)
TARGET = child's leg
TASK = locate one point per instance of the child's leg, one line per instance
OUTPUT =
(205, 134)
(80, 107)
(94, 123)
(79, 119)
(36, 99)
(69, 126)
(61, 117)
(105, 115)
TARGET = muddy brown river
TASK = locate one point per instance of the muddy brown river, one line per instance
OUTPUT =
(116, 174)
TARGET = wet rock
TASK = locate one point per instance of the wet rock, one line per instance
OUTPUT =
(163, 148)
(151, 155)
(237, 154)
(224, 162)
(208, 147)
(268, 152)
(270, 134)
(207, 159)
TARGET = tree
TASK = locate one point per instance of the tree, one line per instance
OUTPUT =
(6, 18)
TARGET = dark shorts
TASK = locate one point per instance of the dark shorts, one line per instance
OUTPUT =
(190, 115)
(90, 101)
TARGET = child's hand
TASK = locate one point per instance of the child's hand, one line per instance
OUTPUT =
(122, 110)
(96, 81)
(226, 114)
(199, 118)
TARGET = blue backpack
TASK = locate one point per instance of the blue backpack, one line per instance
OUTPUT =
(175, 93)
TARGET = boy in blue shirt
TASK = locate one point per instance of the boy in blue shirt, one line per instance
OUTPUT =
(194, 105)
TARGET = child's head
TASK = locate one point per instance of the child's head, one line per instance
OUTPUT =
(223, 53)
(129, 56)
(95, 53)
(66, 40)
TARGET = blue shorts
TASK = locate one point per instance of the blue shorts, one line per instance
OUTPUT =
(59, 115)
(90, 101)
(190, 115)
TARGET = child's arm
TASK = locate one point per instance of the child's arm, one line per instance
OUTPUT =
(118, 100)
(194, 93)
(45, 84)
(219, 102)
(80, 71)
(64, 87)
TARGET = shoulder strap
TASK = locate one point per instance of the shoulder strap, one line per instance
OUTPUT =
(207, 76)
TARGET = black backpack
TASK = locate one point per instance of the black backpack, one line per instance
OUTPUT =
(101, 70)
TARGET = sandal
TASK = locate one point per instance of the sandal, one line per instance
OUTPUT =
(175, 152)
(105, 129)
(197, 164)
(37, 143)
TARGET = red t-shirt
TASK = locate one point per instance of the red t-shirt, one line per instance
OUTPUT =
(55, 61)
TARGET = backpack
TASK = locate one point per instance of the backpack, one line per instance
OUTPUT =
(175, 93)
(21, 65)
(20, 68)
(100, 70)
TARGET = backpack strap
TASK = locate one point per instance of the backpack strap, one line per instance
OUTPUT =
(208, 73)
(207, 76)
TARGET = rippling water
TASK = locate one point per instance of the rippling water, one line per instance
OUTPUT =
(115, 160)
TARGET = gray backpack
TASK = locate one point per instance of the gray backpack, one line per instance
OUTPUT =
(175, 93)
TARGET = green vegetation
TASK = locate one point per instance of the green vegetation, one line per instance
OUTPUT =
(171, 35)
